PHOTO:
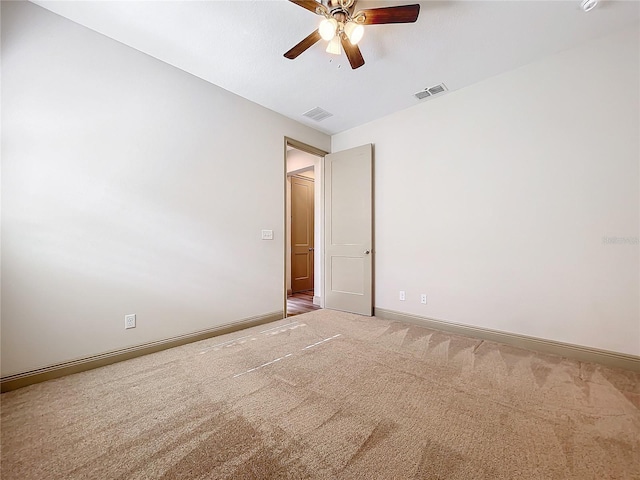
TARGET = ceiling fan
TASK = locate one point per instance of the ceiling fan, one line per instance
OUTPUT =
(341, 26)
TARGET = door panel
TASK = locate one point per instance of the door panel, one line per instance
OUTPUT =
(349, 199)
(301, 234)
(347, 275)
(348, 231)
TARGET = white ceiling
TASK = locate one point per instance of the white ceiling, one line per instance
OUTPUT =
(239, 46)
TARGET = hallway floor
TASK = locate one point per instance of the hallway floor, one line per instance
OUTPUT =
(301, 302)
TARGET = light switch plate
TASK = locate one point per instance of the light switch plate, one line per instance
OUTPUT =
(267, 234)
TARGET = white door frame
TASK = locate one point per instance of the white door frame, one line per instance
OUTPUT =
(319, 213)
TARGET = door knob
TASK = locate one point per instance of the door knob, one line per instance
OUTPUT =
(311, 249)
(366, 252)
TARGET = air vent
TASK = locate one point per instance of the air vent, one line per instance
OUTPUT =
(431, 91)
(437, 89)
(317, 114)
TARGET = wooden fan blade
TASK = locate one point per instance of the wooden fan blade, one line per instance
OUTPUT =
(353, 52)
(303, 45)
(399, 14)
(310, 5)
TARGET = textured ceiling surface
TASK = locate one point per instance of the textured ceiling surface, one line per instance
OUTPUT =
(239, 46)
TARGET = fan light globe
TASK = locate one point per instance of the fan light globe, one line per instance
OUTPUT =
(334, 46)
(588, 5)
(354, 32)
(327, 28)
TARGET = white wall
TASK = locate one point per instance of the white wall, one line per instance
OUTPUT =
(125, 190)
(299, 160)
(494, 200)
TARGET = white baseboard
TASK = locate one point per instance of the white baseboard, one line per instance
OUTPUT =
(577, 352)
(317, 301)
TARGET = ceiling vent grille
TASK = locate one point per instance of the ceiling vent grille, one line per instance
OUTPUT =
(317, 114)
(431, 91)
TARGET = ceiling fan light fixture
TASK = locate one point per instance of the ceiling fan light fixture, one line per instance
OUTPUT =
(588, 5)
(334, 46)
(343, 29)
(328, 28)
(354, 32)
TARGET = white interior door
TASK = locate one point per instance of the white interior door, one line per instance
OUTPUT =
(348, 231)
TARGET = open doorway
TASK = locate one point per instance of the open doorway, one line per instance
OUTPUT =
(304, 229)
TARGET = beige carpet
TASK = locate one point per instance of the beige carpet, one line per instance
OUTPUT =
(329, 395)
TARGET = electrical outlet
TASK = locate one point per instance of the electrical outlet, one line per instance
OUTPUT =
(402, 296)
(423, 298)
(130, 321)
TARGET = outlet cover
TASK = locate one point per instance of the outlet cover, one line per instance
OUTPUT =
(423, 298)
(267, 234)
(130, 321)
(402, 295)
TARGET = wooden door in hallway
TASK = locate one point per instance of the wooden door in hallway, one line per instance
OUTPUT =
(302, 246)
